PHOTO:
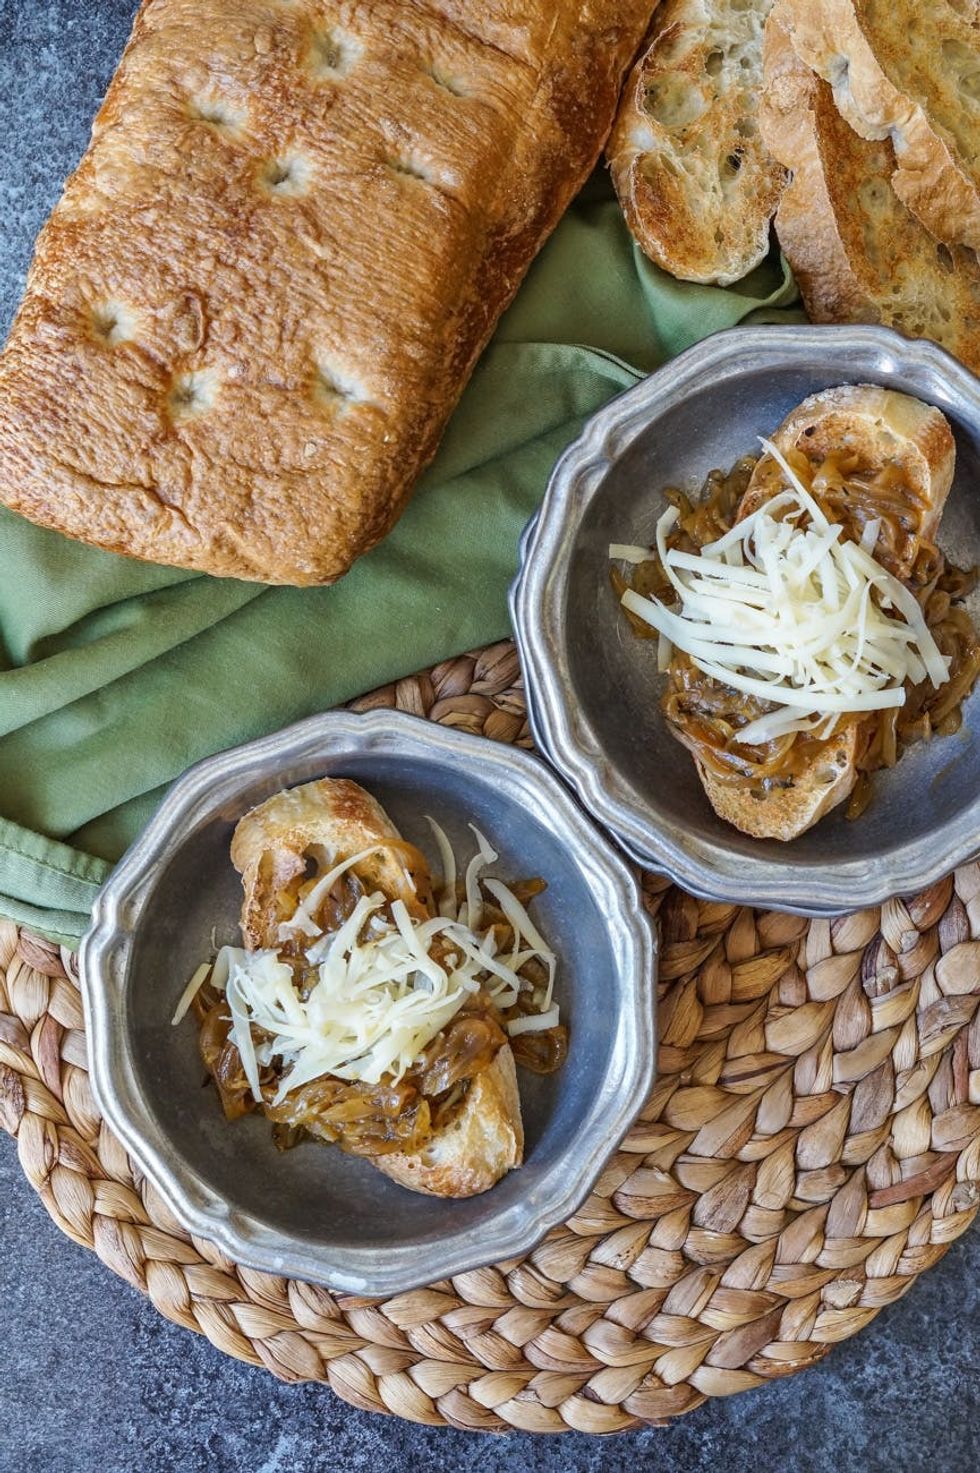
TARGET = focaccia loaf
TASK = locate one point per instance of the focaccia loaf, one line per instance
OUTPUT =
(268, 281)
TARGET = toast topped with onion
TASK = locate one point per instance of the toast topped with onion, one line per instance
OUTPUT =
(371, 1007)
(888, 439)
(809, 627)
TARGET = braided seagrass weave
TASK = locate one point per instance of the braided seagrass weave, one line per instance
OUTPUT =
(812, 1145)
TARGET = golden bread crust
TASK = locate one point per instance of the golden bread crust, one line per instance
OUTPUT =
(268, 281)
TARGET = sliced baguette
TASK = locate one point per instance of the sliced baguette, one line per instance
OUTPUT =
(881, 427)
(482, 1142)
(857, 253)
(329, 821)
(788, 812)
(696, 184)
(910, 72)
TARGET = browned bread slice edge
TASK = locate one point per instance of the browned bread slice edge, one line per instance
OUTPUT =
(897, 72)
(857, 253)
(485, 1138)
(695, 182)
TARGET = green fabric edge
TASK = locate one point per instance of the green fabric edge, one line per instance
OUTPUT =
(30, 866)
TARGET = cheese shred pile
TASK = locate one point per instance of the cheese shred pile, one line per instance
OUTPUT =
(785, 609)
(375, 996)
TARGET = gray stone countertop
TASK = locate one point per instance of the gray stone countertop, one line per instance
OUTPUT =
(92, 1378)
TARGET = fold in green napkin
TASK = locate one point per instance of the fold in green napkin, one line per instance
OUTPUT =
(115, 675)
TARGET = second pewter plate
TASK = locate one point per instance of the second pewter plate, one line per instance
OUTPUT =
(593, 689)
(313, 1212)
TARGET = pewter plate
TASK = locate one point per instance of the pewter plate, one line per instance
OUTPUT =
(313, 1212)
(593, 688)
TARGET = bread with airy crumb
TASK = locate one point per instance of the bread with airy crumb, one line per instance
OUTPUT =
(858, 254)
(909, 72)
(696, 183)
(876, 427)
(269, 280)
(785, 813)
(328, 821)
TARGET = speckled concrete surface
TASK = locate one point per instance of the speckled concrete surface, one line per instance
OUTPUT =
(91, 1378)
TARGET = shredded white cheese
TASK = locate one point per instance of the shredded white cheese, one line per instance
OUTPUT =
(191, 990)
(378, 996)
(783, 608)
(629, 552)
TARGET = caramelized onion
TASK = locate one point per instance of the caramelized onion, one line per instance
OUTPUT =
(542, 1052)
(223, 1061)
(373, 1120)
(464, 1047)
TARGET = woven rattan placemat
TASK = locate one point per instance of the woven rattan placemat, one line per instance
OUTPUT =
(812, 1145)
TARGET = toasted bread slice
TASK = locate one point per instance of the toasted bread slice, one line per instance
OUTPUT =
(326, 822)
(320, 822)
(857, 253)
(909, 72)
(479, 1145)
(696, 184)
(786, 813)
(882, 428)
(879, 427)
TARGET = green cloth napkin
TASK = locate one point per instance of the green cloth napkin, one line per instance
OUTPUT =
(115, 675)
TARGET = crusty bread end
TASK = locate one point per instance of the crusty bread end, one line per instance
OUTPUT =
(880, 427)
